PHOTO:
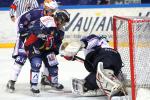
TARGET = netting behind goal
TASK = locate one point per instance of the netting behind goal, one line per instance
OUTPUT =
(131, 36)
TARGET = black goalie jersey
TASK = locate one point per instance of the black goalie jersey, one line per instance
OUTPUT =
(97, 50)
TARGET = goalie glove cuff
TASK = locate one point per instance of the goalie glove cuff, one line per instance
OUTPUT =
(69, 58)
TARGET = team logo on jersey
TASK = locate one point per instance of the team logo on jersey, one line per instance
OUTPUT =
(48, 21)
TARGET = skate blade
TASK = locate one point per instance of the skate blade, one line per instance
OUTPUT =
(58, 91)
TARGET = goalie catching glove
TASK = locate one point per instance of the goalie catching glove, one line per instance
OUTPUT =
(69, 49)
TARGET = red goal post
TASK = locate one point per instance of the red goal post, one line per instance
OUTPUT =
(131, 37)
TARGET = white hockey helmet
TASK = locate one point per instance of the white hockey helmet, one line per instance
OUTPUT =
(50, 6)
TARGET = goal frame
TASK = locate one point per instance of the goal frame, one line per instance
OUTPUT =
(130, 34)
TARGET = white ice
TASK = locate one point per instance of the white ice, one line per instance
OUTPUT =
(67, 70)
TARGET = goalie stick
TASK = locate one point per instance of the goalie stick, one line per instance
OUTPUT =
(59, 91)
(83, 60)
(79, 58)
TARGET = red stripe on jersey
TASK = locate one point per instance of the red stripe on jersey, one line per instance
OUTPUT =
(13, 6)
(31, 39)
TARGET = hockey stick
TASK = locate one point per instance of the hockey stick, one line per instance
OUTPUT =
(79, 58)
(76, 57)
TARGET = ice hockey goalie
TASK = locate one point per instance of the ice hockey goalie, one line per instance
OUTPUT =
(103, 64)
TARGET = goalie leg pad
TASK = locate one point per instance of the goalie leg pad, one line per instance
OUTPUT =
(90, 83)
(78, 86)
(107, 81)
(79, 89)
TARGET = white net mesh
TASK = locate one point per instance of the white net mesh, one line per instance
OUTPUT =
(140, 27)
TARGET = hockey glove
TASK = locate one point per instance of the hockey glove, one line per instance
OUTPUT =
(69, 58)
(70, 49)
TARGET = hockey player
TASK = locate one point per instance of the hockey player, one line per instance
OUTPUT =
(25, 22)
(42, 44)
(101, 61)
(45, 74)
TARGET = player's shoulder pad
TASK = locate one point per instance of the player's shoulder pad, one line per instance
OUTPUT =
(36, 13)
(48, 21)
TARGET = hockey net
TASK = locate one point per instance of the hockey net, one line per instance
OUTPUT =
(131, 37)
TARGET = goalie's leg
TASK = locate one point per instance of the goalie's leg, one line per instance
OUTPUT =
(87, 86)
(110, 84)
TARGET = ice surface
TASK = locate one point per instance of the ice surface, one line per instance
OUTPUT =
(67, 70)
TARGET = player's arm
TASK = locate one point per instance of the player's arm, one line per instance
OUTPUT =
(28, 19)
(23, 23)
(13, 8)
(39, 32)
(90, 41)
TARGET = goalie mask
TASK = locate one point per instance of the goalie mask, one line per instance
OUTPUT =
(62, 17)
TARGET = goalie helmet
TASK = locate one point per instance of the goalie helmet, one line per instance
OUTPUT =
(62, 16)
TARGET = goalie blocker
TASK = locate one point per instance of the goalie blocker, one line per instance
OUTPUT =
(103, 64)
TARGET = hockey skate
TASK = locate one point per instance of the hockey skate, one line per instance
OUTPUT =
(11, 86)
(57, 86)
(44, 81)
(35, 91)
